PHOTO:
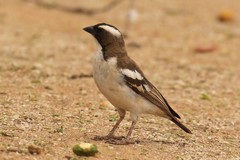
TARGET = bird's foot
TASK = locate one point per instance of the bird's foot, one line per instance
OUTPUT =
(108, 137)
(124, 141)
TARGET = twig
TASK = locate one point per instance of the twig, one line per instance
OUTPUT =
(78, 10)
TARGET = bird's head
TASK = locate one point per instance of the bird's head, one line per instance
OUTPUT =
(106, 35)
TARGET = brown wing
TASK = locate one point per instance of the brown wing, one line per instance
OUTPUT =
(144, 88)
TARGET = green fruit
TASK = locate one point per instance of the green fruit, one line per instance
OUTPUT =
(85, 149)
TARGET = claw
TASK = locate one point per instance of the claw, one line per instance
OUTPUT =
(101, 138)
(121, 142)
(108, 137)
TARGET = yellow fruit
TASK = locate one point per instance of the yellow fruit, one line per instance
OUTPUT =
(85, 149)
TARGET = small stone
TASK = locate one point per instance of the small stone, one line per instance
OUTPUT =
(226, 15)
(205, 48)
(34, 149)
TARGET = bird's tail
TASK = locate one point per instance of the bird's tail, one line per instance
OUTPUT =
(179, 124)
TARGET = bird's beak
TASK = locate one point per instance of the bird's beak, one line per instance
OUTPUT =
(90, 30)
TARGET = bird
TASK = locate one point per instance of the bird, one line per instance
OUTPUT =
(124, 84)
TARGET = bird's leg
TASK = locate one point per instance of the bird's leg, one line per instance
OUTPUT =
(126, 140)
(110, 135)
(131, 129)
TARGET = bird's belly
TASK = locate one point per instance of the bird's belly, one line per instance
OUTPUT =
(121, 96)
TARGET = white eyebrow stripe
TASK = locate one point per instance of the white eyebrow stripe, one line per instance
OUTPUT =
(132, 74)
(111, 30)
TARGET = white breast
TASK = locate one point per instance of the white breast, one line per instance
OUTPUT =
(110, 82)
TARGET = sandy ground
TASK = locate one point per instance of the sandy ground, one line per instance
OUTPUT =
(47, 102)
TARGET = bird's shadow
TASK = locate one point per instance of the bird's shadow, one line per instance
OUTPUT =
(141, 141)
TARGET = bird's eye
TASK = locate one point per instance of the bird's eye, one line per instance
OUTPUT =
(100, 30)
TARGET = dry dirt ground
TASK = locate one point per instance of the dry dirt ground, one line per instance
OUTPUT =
(48, 101)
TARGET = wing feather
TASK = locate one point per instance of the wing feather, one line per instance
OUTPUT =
(144, 88)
